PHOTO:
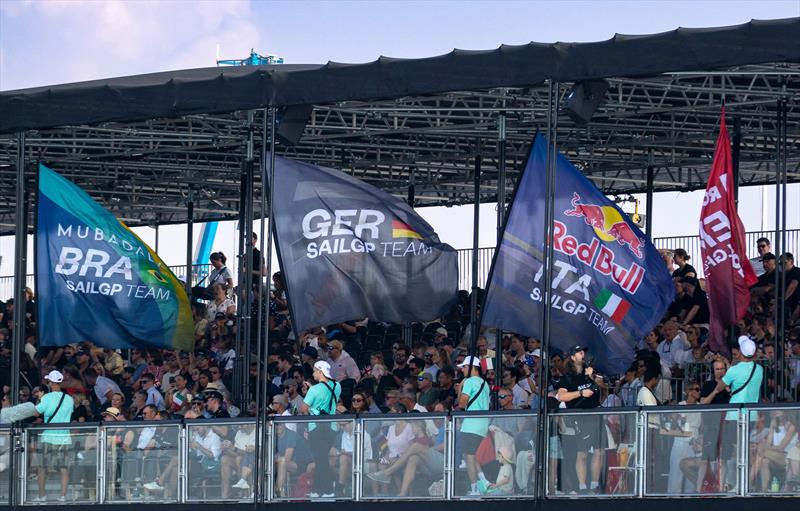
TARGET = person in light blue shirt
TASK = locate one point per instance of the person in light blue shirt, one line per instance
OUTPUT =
(473, 395)
(743, 381)
(321, 399)
(55, 407)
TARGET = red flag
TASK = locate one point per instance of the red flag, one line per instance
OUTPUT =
(725, 264)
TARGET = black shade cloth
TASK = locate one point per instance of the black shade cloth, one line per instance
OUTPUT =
(226, 89)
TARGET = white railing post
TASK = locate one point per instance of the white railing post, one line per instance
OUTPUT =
(640, 474)
(100, 494)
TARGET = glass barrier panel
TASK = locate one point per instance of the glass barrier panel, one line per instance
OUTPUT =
(403, 457)
(313, 460)
(592, 454)
(494, 456)
(774, 452)
(691, 453)
(5, 466)
(220, 459)
(61, 466)
(142, 463)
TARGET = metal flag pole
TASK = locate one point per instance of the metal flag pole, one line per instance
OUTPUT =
(648, 212)
(544, 369)
(189, 240)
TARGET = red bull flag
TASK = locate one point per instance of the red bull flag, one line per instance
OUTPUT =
(609, 287)
(725, 264)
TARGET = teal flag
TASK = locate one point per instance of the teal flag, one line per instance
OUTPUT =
(97, 281)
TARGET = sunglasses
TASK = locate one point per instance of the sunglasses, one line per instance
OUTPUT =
(428, 355)
(762, 246)
(420, 378)
(503, 396)
(694, 389)
(357, 400)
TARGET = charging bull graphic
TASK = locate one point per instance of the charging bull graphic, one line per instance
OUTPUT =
(607, 223)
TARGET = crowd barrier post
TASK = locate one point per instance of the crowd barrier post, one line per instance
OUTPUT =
(101, 464)
(358, 459)
(640, 474)
(183, 454)
(742, 457)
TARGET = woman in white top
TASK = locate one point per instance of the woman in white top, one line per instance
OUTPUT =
(220, 303)
(686, 429)
(771, 452)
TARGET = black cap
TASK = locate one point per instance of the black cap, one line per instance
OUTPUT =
(574, 349)
(220, 315)
(769, 256)
(213, 394)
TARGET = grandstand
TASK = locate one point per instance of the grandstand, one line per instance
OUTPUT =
(192, 146)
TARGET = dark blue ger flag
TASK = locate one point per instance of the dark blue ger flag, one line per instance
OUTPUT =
(349, 250)
(97, 281)
(610, 286)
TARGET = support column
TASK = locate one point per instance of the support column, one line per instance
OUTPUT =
(20, 268)
(501, 216)
(544, 371)
(780, 249)
(189, 239)
(648, 208)
(474, 323)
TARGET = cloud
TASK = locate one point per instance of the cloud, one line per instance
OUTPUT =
(116, 38)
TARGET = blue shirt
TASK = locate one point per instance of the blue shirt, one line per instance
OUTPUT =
(736, 377)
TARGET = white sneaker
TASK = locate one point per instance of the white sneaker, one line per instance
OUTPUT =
(241, 484)
(463, 464)
(313, 495)
(39, 499)
(328, 495)
(152, 486)
(473, 493)
(62, 498)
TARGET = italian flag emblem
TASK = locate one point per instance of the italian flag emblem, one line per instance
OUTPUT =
(612, 305)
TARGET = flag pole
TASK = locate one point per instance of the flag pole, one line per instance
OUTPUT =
(544, 370)
(20, 269)
(501, 213)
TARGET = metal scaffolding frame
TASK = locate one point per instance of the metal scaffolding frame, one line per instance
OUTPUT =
(142, 171)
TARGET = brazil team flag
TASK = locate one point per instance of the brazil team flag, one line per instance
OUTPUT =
(99, 282)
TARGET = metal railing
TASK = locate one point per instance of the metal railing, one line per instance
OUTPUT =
(678, 451)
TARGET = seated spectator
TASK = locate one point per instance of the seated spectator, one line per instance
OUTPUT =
(154, 397)
(292, 456)
(427, 394)
(239, 457)
(178, 395)
(343, 367)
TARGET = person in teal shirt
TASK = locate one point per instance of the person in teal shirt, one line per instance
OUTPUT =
(321, 399)
(743, 381)
(55, 444)
(473, 395)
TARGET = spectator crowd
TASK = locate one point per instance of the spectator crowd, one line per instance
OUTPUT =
(370, 368)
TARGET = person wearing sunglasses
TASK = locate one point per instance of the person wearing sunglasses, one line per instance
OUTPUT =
(427, 395)
(763, 246)
(687, 431)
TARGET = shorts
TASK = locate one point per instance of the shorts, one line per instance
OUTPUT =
(794, 453)
(470, 443)
(53, 455)
(589, 432)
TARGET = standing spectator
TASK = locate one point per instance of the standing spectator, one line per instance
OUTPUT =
(792, 275)
(698, 313)
(766, 279)
(401, 371)
(681, 258)
(104, 387)
(473, 394)
(56, 444)
(673, 349)
(578, 390)
(709, 393)
(154, 397)
(321, 399)
(763, 246)
(447, 390)
(220, 303)
(343, 367)
(139, 362)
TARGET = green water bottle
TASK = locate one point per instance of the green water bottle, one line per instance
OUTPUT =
(775, 486)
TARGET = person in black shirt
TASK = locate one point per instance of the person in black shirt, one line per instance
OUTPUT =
(792, 289)
(698, 311)
(214, 406)
(684, 269)
(766, 281)
(577, 389)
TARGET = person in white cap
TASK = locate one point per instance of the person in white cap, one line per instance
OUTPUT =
(743, 381)
(473, 394)
(321, 399)
(55, 407)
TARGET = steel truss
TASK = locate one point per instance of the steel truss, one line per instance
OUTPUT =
(143, 172)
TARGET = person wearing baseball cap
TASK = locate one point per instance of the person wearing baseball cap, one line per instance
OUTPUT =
(55, 407)
(473, 394)
(321, 399)
(743, 381)
(577, 389)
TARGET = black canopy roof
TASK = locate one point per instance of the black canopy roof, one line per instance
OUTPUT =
(217, 90)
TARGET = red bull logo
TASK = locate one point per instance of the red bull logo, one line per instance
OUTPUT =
(597, 257)
(608, 224)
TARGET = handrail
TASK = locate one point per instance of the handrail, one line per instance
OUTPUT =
(203, 483)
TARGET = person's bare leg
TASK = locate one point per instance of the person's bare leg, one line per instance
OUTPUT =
(345, 461)
(64, 481)
(41, 478)
(408, 474)
(580, 467)
(225, 475)
(414, 449)
(472, 468)
(597, 464)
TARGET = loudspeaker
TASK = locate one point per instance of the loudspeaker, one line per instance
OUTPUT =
(292, 121)
(583, 100)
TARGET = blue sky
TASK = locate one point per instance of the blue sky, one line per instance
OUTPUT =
(48, 42)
